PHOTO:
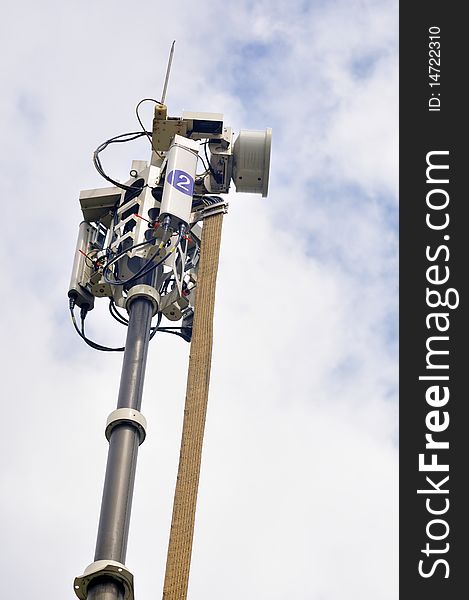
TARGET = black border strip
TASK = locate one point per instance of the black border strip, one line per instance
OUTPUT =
(434, 239)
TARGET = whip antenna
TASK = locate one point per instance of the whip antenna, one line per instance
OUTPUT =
(168, 70)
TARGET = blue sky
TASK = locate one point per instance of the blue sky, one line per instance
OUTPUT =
(298, 493)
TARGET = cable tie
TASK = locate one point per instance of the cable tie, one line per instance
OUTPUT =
(143, 218)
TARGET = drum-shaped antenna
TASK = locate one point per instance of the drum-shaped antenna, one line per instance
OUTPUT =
(251, 161)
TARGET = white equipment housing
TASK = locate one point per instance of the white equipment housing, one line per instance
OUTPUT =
(81, 272)
(203, 124)
(251, 161)
(179, 183)
(133, 229)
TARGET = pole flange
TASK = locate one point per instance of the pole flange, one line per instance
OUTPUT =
(126, 415)
(143, 291)
(105, 568)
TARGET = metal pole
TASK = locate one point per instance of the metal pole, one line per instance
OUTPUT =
(106, 590)
(116, 504)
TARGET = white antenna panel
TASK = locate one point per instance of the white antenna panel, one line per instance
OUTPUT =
(251, 161)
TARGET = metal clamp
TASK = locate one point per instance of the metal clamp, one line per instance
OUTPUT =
(105, 568)
(143, 291)
(210, 211)
(126, 415)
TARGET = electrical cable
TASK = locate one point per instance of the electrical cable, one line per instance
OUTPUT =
(142, 272)
(123, 252)
(155, 328)
(215, 176)
(167, 330)
(164, 286)
(206, 164)
(82, 334)
(83, 314)
(118, 139)
(118, 257)
(147, 133)
(116, 314)
(123, 321)
(94, 345)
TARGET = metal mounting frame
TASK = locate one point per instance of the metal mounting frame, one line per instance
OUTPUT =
(126, 415)
(146, 291)
(105, 568)
(208, 211)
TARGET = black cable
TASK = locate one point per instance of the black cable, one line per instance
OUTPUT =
(94, 345)
(164, 286)
(122, 138)
(201, 202)
(123, 252)
(206, 165)
(166, 330)
(155, 329)
(143, 271)
(118, 257)
(140, 273)
(121, 319)
(215, 176)
(116, 314)
(81, 333)
(147, 133)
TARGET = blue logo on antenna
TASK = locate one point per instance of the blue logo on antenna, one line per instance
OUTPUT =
(182, 181)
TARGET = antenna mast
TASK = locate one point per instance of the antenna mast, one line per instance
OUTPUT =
(147, 245)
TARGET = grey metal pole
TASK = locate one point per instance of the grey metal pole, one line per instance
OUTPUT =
(106, 590)
(124, 440)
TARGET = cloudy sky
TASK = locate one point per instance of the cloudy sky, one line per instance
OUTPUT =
(298, 493)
